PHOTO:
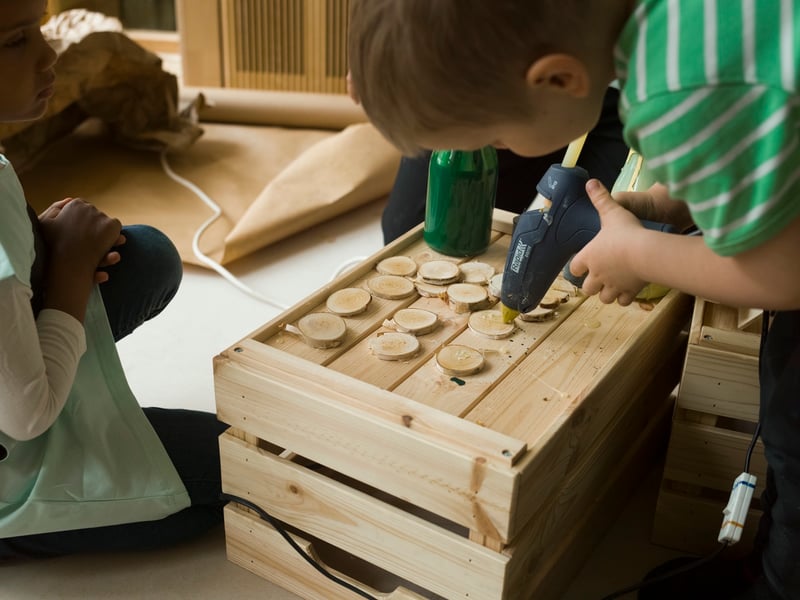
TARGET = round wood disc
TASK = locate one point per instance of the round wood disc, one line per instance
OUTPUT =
(431, 290)
(459, 360)
(496, 285)
(476, 272)
(489, 323)
(440, 272)
(415, 321)
(550, 301)
(394, 346)
(322, 330)
(402, 266)
(466, 297)
(348, 301)
(539, 313)
(391, 287)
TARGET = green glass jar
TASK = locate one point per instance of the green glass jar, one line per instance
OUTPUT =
(462, 186)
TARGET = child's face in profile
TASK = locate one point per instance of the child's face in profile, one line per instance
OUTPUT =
(26, 61)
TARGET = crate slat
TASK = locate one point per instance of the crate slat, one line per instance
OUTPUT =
(575, 384)
(460, 395)
(720, 383)
(691, 524)
(257, 547)
(407, 545)
(711, 457)
(444, 464)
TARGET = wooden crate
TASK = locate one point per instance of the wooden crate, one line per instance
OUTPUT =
(715, 415)
(491, 486)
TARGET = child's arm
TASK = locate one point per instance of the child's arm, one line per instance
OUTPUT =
(623, 257)
(40, 358)
(80, 239)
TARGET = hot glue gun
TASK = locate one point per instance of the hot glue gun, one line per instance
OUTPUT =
(546, 237)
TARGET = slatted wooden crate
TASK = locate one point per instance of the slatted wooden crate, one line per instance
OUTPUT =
(491, 486)
(715, 415)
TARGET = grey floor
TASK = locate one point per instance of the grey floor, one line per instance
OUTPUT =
(168, 362)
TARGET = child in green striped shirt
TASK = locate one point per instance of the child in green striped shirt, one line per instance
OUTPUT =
(709, 97)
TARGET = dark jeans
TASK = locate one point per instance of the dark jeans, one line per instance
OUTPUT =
(139, 287)
(778, 538)
(602, 156)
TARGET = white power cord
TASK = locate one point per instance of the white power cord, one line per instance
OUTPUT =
(210, 262)
(204, 258)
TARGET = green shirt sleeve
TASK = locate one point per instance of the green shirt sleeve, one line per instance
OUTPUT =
(730, 151)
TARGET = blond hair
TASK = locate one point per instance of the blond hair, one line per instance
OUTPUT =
(421, 66)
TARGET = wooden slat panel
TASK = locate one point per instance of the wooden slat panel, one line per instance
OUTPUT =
(401, 543)
(549, 553)
(720, 383)
(576, 382)
(257, 547)
(710, 457)
(358, 326)
(731, 341)
(359, 362)
(429, 386)
(451, 467)
(691, 524)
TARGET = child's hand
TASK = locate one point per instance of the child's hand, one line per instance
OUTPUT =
(655, 204)
(80, 237)
(605, 256)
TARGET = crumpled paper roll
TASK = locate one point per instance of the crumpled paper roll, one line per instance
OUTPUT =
(333, 176)
(103, 74)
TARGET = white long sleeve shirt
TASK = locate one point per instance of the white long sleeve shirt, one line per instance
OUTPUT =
(38, 361)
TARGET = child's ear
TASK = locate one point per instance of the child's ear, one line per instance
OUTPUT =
(561, 73)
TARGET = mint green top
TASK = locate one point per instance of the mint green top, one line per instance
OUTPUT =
(709, 97)
(100, 462)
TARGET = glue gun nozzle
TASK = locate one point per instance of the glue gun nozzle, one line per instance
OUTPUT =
(509, 314)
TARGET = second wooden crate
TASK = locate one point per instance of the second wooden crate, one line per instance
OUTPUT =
(715, 416)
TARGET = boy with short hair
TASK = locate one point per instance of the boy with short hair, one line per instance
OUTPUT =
(709, 97)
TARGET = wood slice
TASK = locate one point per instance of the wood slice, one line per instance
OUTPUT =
(431, 290)
(459, 360)
(394, 346)
(496, 285)
(322, 330)
(550, 301)
(415, 321)
(348, 301)
(391, 287)
(489, 323)
(441, 272)
(539, 313)
(476, 272)
(466, 297)
(402, 266)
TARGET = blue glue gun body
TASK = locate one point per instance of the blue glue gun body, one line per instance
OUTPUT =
(545, 239)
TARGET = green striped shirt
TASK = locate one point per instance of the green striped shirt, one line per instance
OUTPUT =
(709, 97)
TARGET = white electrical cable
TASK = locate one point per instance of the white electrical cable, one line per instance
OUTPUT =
(205, 259)
(210, 262)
